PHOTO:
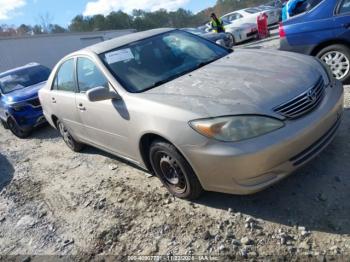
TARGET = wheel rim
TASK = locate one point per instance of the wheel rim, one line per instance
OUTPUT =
(65, 135)
(232, 40)
(338, 63)
(171, 173)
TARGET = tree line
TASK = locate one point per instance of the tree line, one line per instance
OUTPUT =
(138, 19)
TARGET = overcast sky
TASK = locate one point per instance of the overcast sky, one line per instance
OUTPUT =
(18, 12)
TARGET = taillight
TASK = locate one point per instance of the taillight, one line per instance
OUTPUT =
(282, 32)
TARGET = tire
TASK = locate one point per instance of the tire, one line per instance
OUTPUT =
(233, 40)
(337, 57)
(4, 124)
(68, 138)
(16, 129)
(174, 171)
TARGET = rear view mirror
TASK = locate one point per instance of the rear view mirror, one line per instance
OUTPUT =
(100, 94)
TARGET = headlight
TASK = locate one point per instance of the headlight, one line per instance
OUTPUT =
(17, 107)
(236, 128)
(220, 42)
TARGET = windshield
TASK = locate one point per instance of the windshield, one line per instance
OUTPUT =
(22, 78)
(154, 61)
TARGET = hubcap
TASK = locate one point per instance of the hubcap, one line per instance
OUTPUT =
(66, 136)
(338, 63)
(171, 173)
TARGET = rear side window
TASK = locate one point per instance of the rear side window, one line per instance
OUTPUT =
(89, 76)
(65, 80)
(252, 10)
(234, 16)
(344, 7)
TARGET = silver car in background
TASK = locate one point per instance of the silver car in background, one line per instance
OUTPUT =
(197, 115)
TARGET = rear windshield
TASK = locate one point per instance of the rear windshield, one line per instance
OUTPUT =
(305, 6)
(22, 78)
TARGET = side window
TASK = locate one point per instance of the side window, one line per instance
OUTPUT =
(235, 16)
(64, 80)
(344, 7)
(89, 76)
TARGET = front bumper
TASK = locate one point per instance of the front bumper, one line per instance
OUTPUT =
(29, 118)
(250, 166)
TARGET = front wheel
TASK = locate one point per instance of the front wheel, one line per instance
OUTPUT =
(232, 41)
(68, 138)
(174, 171)
(16, 129)
(4, 124)
(337, 57)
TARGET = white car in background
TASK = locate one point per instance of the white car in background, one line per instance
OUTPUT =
(274, 14)
(242, 33)
(250, 15)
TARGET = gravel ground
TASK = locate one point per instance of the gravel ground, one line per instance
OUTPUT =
(91, 204)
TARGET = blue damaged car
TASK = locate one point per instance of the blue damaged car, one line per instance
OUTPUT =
(20, 109)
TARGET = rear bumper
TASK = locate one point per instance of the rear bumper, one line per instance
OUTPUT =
(251, 166)
(302, 49)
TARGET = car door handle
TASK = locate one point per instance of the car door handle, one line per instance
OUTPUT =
(53, 100)
(81, 107)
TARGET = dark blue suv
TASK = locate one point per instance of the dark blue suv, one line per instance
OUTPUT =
(20, 109)
(321, 29)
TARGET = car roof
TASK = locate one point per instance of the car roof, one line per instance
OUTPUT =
(19, 68)
(124, 40)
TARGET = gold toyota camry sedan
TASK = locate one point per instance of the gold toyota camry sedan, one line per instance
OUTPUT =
(197, 115)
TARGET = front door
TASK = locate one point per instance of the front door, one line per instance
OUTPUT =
(62, 97)
(106, 122)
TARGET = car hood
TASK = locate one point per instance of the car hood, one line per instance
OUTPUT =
(244, 82)
(24, 94)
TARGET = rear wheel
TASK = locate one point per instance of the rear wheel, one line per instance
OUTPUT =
(16, 129)
(337, 57)
(174, 171)
(68, 138)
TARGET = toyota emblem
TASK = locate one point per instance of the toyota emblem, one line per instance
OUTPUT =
(312, 95)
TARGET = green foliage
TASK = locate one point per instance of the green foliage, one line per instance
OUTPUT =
(143, 20)
(139, 19)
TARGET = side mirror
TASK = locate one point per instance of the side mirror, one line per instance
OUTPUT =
(101, 93)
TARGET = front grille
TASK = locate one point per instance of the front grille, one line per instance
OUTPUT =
(312, 150)
(304, 103)
(34, 102)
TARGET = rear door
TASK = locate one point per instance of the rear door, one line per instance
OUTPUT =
(342, 20)
(62, 98)
(106, 122)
